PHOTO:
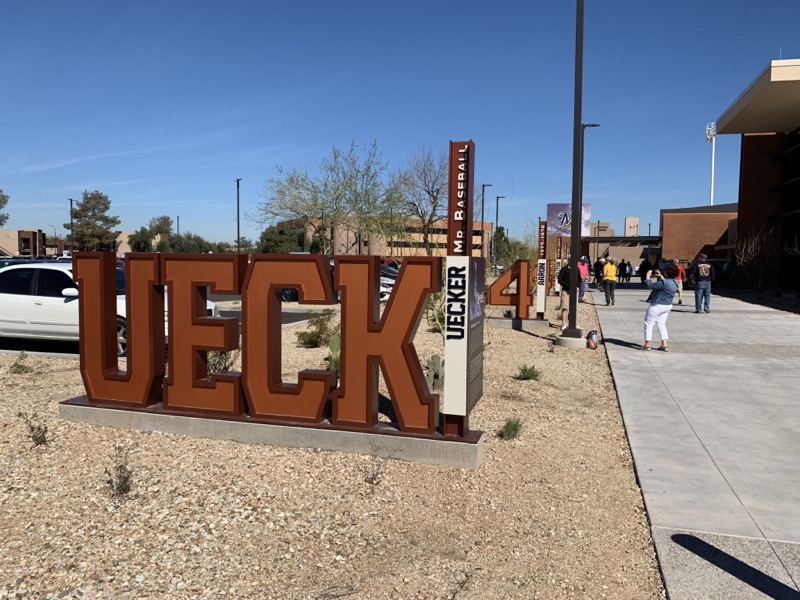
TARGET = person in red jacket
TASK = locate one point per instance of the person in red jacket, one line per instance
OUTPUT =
(679, 279)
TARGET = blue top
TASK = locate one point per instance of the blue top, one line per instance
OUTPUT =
(662, 290)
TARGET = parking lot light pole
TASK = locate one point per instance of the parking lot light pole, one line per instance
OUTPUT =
(496, 225)
(572, 331)
(483, 189)
(237, 217)
(71, 228)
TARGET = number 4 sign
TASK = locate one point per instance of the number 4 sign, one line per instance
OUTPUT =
(522, 298)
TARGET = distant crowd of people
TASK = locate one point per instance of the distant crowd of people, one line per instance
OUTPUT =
(664, 279)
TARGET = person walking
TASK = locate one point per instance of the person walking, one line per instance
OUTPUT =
(659, 305)
(563, 281)
(598, 272)
(583, 276)
(643, 269)
(703, 273)
(628, 272)
(621, 272)
(679, 279)
(609, 280)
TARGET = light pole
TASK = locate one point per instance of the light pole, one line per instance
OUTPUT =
(71, 228)
(572, 330)
(55, 237)
(237, 216)
(483, 189)
(496, 225)
(711, 136)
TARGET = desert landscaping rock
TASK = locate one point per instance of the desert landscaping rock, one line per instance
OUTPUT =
(554, 513)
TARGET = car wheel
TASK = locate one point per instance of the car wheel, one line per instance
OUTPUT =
(289, 295)
(122, 337)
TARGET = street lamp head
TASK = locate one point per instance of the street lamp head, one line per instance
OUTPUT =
(585, 125)
(485, 185)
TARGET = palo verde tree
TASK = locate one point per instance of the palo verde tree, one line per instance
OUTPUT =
(422, 186)
(345, 201)
(3, 202)
(94, 227)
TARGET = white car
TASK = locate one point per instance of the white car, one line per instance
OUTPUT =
(40, 301)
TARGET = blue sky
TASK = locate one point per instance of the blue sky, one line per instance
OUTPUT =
(162, 105)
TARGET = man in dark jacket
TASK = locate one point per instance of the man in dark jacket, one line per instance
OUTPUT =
(563, 281)
(703, 273)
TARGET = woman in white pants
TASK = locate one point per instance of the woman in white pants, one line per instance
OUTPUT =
(662, 293)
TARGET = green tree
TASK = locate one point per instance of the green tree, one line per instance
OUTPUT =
(94, 227)
(246, 245)
(141, 241)
(162, 224)
(190, 243)
(280, 239)
(350, 195)
(3, 202)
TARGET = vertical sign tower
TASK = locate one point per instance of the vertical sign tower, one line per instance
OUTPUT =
(464, 281)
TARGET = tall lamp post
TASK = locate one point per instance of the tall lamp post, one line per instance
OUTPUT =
(71, 228)
(483, 189)
(496, 225)
(55, 237)
(711, 136)
(572, 330)
(237, 217)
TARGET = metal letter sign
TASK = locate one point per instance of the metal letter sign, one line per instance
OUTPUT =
(370, 341)
(464, 279)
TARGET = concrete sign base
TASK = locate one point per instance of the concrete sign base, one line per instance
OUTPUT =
(460, 454)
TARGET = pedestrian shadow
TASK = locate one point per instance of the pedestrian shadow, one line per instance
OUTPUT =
(621, 343)
(735, 567)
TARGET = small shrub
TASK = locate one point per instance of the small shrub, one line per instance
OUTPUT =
(435, 373)
(510, 430)
(526, 372)
(508, 313)
(119, 479)
(373, 471)
(434, 313)
(19, 367)
(320, 330)
(334, 359)
(222, 361)
(37, 431)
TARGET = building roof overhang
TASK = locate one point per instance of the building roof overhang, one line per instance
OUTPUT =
(770, 104)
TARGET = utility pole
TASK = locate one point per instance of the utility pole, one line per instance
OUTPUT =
(496, 225)
(71, 228)
(238, 249)
(483, 189)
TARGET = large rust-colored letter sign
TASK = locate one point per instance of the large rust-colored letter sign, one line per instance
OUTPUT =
(267, 396)
(368, 344)
(522, 298)
(189, 386)
(140, 384)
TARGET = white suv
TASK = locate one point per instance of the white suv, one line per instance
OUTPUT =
(40, 301)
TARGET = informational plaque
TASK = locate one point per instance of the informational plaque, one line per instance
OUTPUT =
(463, 348)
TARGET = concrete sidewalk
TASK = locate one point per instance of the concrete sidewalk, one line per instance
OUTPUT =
(714, 428)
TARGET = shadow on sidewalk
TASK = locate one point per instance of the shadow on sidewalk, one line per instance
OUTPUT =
(732, 565)
(621, 343)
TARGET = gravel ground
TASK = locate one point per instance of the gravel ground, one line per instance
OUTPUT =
(554, 513)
